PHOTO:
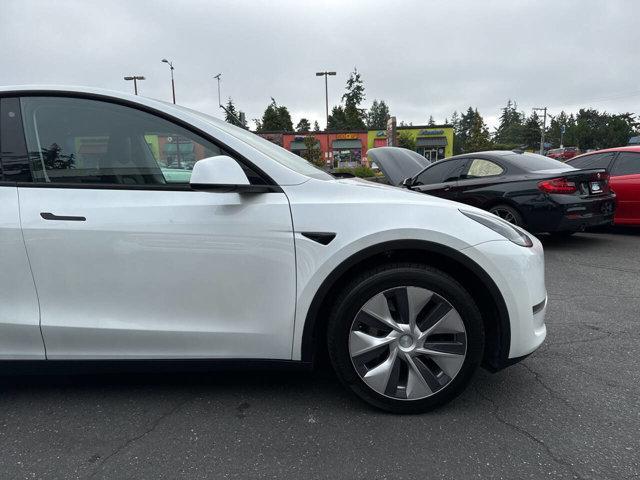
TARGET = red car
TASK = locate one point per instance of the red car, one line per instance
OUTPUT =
(563, 154)
(623, 163)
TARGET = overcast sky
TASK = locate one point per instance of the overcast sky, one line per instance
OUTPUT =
(422, 57)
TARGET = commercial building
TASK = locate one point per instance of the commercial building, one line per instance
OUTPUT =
(349, 148)
(433, 142)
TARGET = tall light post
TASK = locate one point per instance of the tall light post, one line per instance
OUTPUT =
(217, 77)
(544, 127)
(135, 79)
(173, 85)
(326, 92)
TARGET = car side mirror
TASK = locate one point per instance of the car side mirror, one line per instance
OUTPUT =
(219, 174)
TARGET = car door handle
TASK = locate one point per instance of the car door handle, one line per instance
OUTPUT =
(447, 188)
(51, 216)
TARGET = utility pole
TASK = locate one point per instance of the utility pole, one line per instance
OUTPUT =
(562, 128)
(544, 127)
(135, 79)
(173, 85)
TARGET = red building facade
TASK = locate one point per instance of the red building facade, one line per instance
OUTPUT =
(339, 149)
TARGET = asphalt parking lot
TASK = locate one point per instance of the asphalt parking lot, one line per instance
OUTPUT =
(572, 410)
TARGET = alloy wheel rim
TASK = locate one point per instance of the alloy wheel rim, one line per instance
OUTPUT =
(407, 343)
(504, 214)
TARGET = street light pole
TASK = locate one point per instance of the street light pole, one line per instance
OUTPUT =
(544, 127)
(135, 79)
(217, 77)
(326, 92)
(173, 86)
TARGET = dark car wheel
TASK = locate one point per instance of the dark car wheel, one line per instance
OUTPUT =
(405, 337)
(507, 213)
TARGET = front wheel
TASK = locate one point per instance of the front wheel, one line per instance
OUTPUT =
(507, 213)
(405, 337)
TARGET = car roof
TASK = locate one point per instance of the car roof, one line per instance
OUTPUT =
(626, 148)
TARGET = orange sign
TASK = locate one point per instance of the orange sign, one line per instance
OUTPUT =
(347, 136)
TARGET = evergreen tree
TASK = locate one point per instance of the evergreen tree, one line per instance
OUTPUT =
(351, 116)
(303, 126)
(275, 118)
(338, 119)
(406, 140)
(312, 151)
(532, 132)
(232, 116)
(431, 121)
(378, 115)
(511, 128)
(478, 137)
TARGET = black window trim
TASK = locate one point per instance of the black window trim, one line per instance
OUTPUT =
(270, 185)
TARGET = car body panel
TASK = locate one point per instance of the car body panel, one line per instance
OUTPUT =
(373, 214)
(162, 274)
(627, 188)
(20, 336)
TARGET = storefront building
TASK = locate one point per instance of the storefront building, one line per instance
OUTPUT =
(433, 142)
(339, 149)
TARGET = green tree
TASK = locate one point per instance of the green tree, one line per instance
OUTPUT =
(316, 126)
(351, 116)
(531, 132)
(312, 152)
(352, 99)
(232, 116)
(303, 126)
(338, 119)
(378, 115)
(406, 140)
(275, 118)
(431, 121)
(478, 137)
(510, 130)
(457, 141)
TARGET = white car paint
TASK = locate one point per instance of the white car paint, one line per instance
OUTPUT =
(241, 278)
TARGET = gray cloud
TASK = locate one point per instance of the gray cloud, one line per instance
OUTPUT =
(423, 58)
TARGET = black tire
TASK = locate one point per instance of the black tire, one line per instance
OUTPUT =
(508, 213)
(380, 279)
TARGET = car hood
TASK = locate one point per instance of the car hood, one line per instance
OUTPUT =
(397, 164)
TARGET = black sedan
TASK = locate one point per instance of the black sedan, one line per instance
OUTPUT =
(538, 193)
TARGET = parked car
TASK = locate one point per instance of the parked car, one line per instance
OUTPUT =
(259, 256)
(623, 163)
(563, 154)
(535, 192)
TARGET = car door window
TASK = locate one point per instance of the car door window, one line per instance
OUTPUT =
(596, 160)
(441, 172)
(479, 167)
(627, 163)
(76, 140)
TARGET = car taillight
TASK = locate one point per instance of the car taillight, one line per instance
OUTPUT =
(557, 185)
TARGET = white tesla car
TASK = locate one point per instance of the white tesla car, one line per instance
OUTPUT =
(133, 229)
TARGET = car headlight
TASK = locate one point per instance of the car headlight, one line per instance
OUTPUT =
(502, 227)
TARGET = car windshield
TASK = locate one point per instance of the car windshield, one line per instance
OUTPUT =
(277, 153)
(532, 162)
